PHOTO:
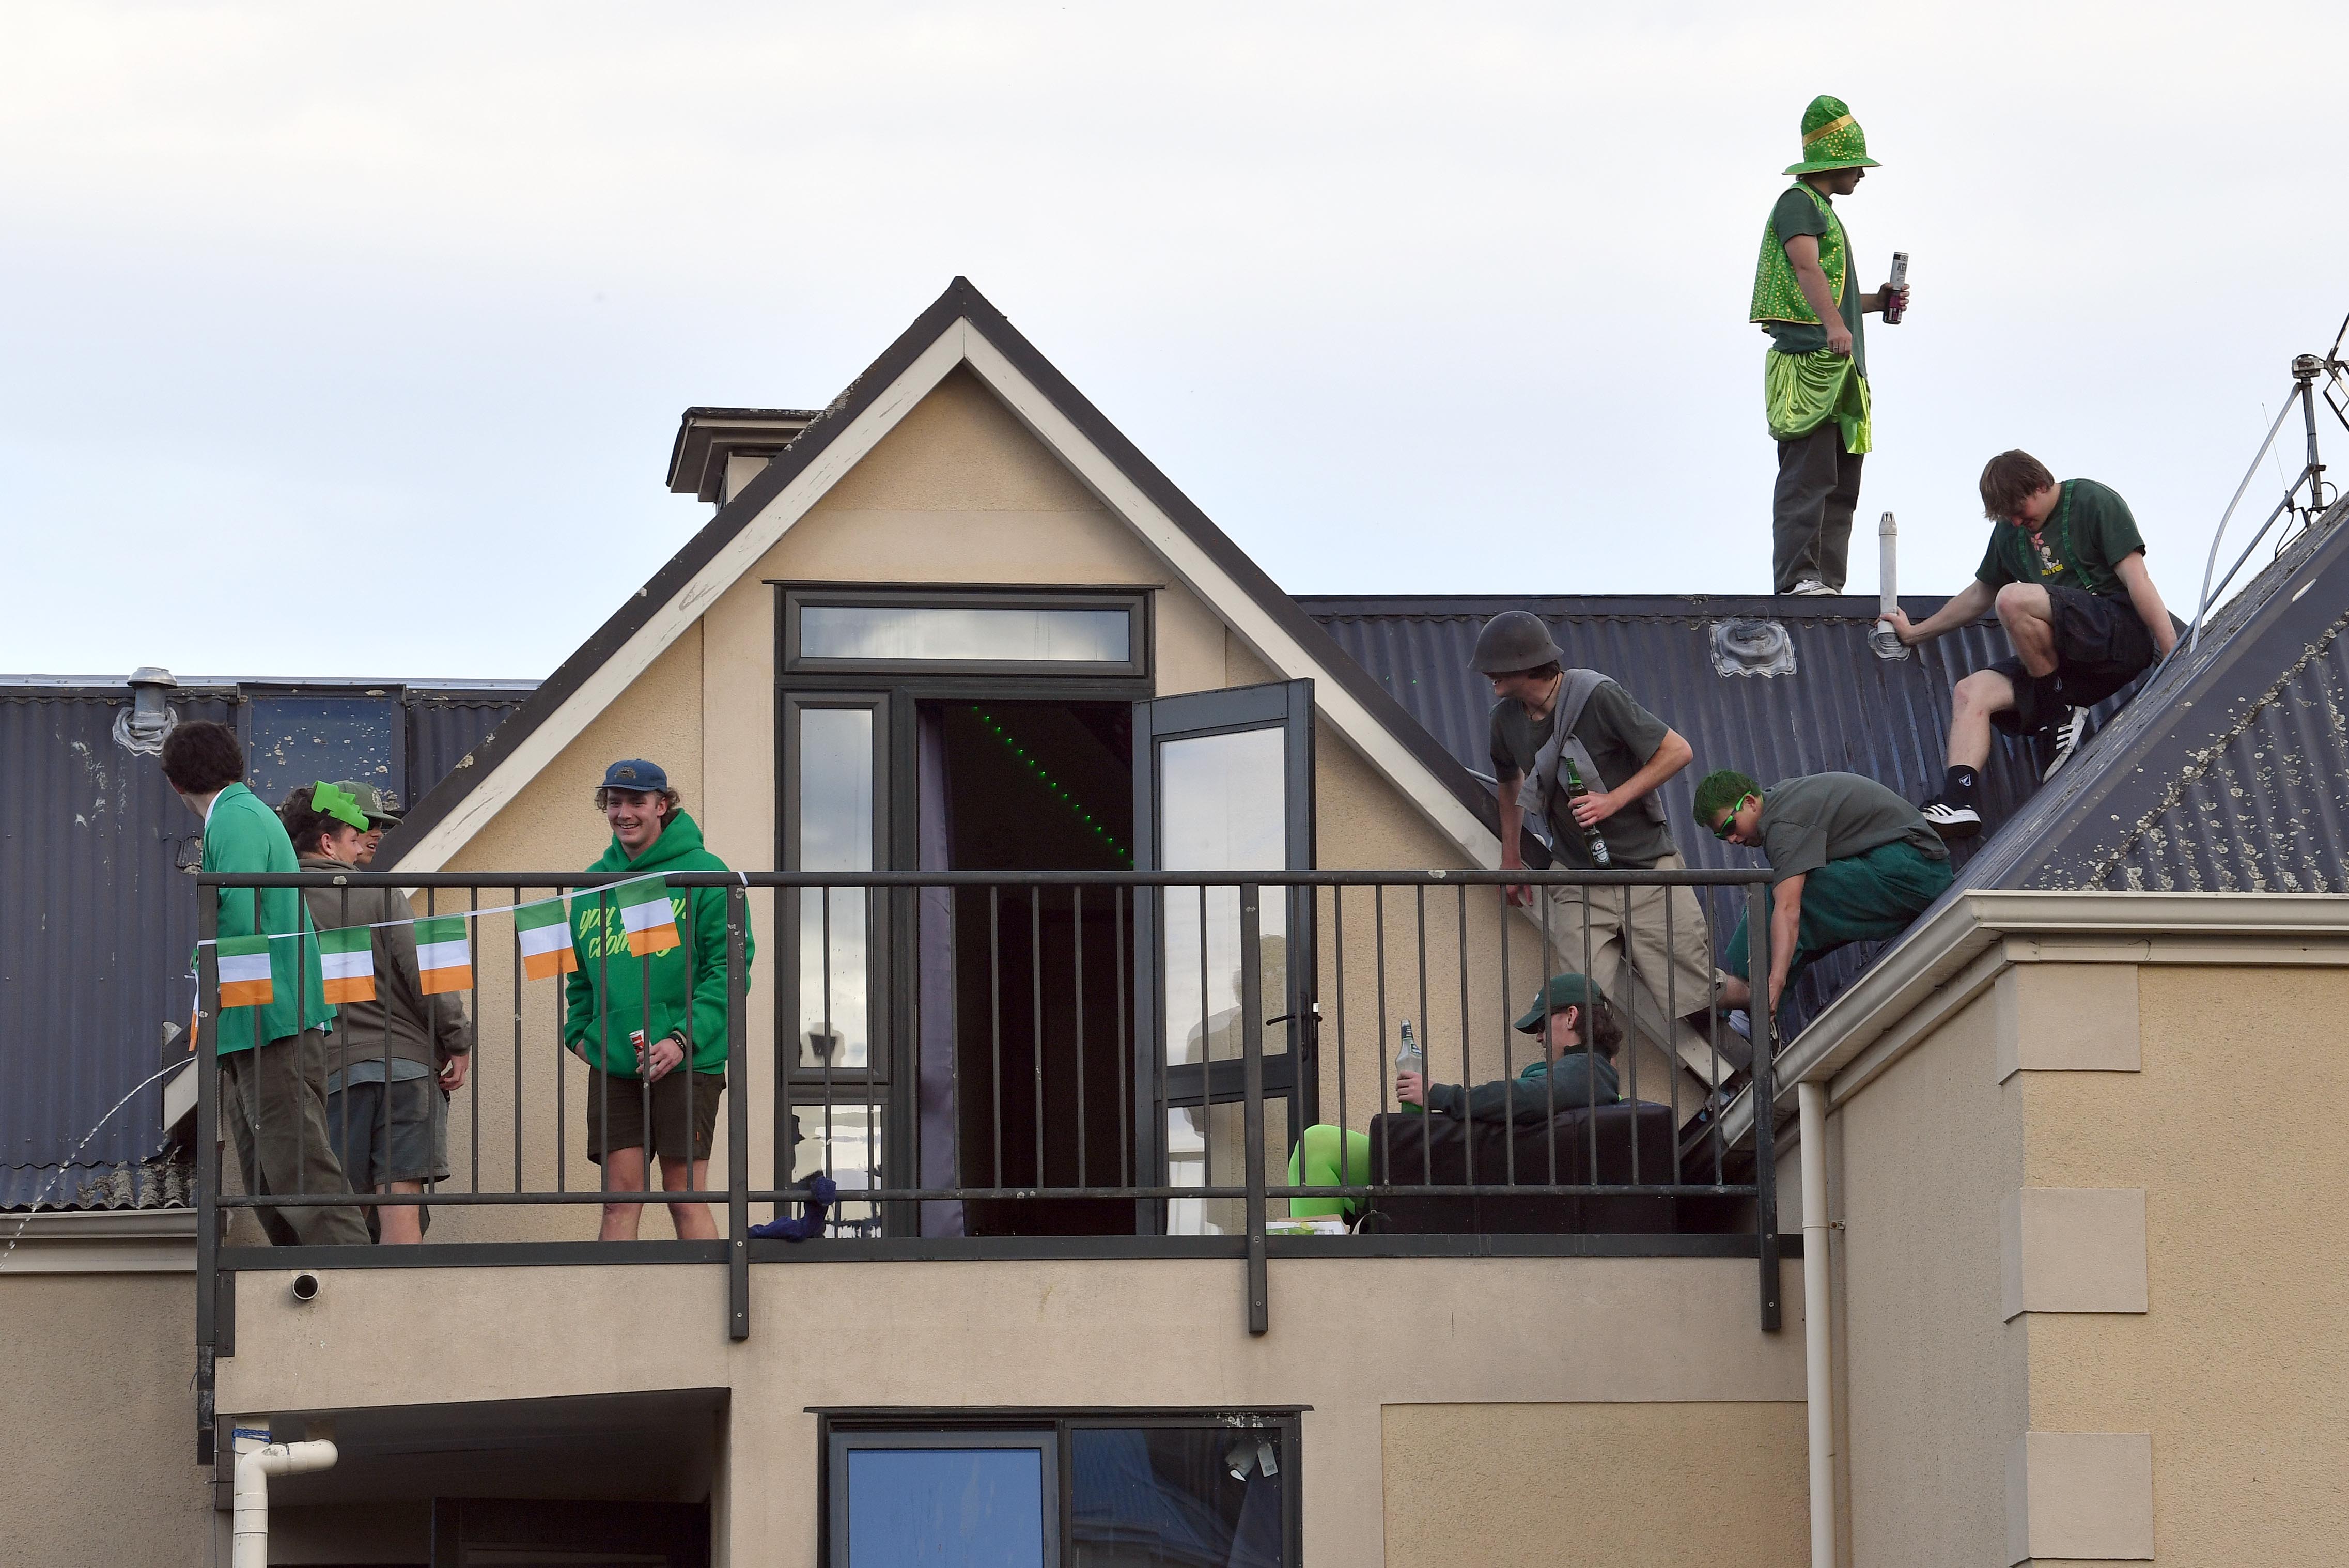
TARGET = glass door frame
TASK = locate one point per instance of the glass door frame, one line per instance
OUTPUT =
(1294, 1072)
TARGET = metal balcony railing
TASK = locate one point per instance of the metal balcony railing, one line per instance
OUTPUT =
(1063, 1064)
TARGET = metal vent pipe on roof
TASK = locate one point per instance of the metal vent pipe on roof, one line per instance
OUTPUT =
(149, 719)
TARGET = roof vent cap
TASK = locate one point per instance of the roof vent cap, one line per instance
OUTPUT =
(149, 720)
(1745, 646)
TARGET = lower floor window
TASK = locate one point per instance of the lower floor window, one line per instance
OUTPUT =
(1063, 1490)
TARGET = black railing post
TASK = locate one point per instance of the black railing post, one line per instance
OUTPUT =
(737, 1123)
(1259, 1306)
(1763, 1014)
(207, 1059)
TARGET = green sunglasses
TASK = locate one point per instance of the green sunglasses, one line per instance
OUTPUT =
(1720, 829)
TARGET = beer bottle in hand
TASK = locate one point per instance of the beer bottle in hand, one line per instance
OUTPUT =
(1592, 840)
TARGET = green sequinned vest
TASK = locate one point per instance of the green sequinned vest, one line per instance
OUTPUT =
(1777, 297)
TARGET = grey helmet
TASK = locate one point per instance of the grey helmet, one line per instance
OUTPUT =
(1514, 641)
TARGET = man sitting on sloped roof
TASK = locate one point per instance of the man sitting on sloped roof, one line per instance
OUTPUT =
(2065, 567)
(1580, 1037)
(1851, 861)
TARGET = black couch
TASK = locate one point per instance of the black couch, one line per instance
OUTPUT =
(1434, 1152)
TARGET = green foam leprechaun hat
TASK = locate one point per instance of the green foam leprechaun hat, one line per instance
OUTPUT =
(1831, 139)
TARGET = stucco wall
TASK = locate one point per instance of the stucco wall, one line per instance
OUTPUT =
(1935, 1391)
(1348, 1336)
(1534, 1485)
(97, 1463)
(2239, 1364)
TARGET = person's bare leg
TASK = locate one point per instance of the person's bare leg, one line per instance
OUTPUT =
(624, 1171)
(402, 1225)
(692, 1220)
(1734, 991)
(1977, 697)
(2029, 617)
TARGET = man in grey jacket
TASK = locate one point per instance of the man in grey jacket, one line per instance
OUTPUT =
(392, 1056)
(1580, 1039)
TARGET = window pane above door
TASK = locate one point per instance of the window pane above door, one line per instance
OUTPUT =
(930, 634)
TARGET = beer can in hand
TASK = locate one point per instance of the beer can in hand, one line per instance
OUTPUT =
(1900, 281)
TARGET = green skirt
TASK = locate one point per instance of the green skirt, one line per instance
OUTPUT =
(1802, 391)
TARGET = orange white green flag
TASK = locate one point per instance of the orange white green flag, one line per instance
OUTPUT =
(244, 971)
(444, 954)
(346, 963)
(646, 915)
(543, 931)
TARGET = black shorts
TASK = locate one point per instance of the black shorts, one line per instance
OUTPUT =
(679, 1097)
(2101, 646)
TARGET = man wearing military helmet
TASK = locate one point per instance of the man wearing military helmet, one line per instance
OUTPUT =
(1552, 726)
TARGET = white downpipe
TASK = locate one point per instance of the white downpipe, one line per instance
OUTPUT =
(249, 1530)
(1811, 1117)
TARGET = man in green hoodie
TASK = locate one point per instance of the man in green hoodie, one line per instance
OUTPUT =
(637, 1019)
(272, 1057)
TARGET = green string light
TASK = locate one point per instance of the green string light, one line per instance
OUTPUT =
(1052, 785)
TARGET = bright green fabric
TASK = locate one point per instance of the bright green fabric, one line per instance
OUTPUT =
(2090, 533)
(1801, 392)
(1801, 208)
(1866, 897)
(605, 996)
(243, 835)
(1327, 1157)
(1777, 293)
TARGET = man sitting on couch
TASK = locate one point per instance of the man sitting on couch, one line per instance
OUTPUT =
(1568, 1073)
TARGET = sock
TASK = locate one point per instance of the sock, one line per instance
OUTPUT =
(1958, 789)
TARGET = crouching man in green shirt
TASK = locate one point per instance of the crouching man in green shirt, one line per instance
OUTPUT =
(1851, 861)
(1580, 1037)
(2066, 569)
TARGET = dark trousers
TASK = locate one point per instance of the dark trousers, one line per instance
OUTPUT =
(1811, 510)
(274, 1098)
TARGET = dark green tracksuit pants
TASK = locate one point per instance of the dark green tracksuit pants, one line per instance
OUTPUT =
(1865, 898)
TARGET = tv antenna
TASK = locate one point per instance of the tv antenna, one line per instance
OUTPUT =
(2306, 368)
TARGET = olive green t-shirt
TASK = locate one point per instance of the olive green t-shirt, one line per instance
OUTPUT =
(2088, 534)
(1807, 822)
(1796, 213)
(1620, 736)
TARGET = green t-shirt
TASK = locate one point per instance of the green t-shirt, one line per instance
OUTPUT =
(1620, 736)
(1796, 213)
(1807, 822)
(2083, 539)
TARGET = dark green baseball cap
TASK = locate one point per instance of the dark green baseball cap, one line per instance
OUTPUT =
(1563, 991)
(381, 807)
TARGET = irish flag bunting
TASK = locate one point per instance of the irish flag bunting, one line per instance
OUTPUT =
(444, 954)
(244, 971)
(346, 958)
(645, 915)
(544, 933)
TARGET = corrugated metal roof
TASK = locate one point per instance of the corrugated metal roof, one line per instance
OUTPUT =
(1842, 707)
(97, 915)
(2230, 772)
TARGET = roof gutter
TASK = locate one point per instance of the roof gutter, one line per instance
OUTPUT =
(1955, 956)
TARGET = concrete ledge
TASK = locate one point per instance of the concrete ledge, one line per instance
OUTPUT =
(2080, 1495)
(2073, 1249)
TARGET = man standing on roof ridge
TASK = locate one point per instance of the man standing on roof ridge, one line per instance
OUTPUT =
(1552, 726)
(1814, 378)
(2065, 570)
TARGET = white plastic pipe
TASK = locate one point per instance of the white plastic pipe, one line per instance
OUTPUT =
(1881, 636)
(249, 1527)
(1811, 1118)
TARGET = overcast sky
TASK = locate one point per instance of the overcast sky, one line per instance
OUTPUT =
(343, 340)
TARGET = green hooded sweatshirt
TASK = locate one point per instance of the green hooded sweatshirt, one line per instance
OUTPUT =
(604, 997)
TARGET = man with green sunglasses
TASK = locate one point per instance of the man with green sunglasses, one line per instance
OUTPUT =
(1851, 861)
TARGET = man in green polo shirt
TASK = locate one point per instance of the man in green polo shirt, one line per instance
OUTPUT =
(2066, 569)
(1806, 297)
(273, 1056)
(1851, 861)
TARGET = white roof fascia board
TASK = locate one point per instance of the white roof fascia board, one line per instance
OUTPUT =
(1264, 635)
(739, 556)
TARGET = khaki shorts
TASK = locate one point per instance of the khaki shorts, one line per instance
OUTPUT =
(679, 1097)
(1648, 960)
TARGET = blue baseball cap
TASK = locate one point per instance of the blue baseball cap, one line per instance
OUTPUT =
(635, 773)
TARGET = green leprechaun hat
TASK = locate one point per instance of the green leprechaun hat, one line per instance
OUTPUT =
(1831, 139)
